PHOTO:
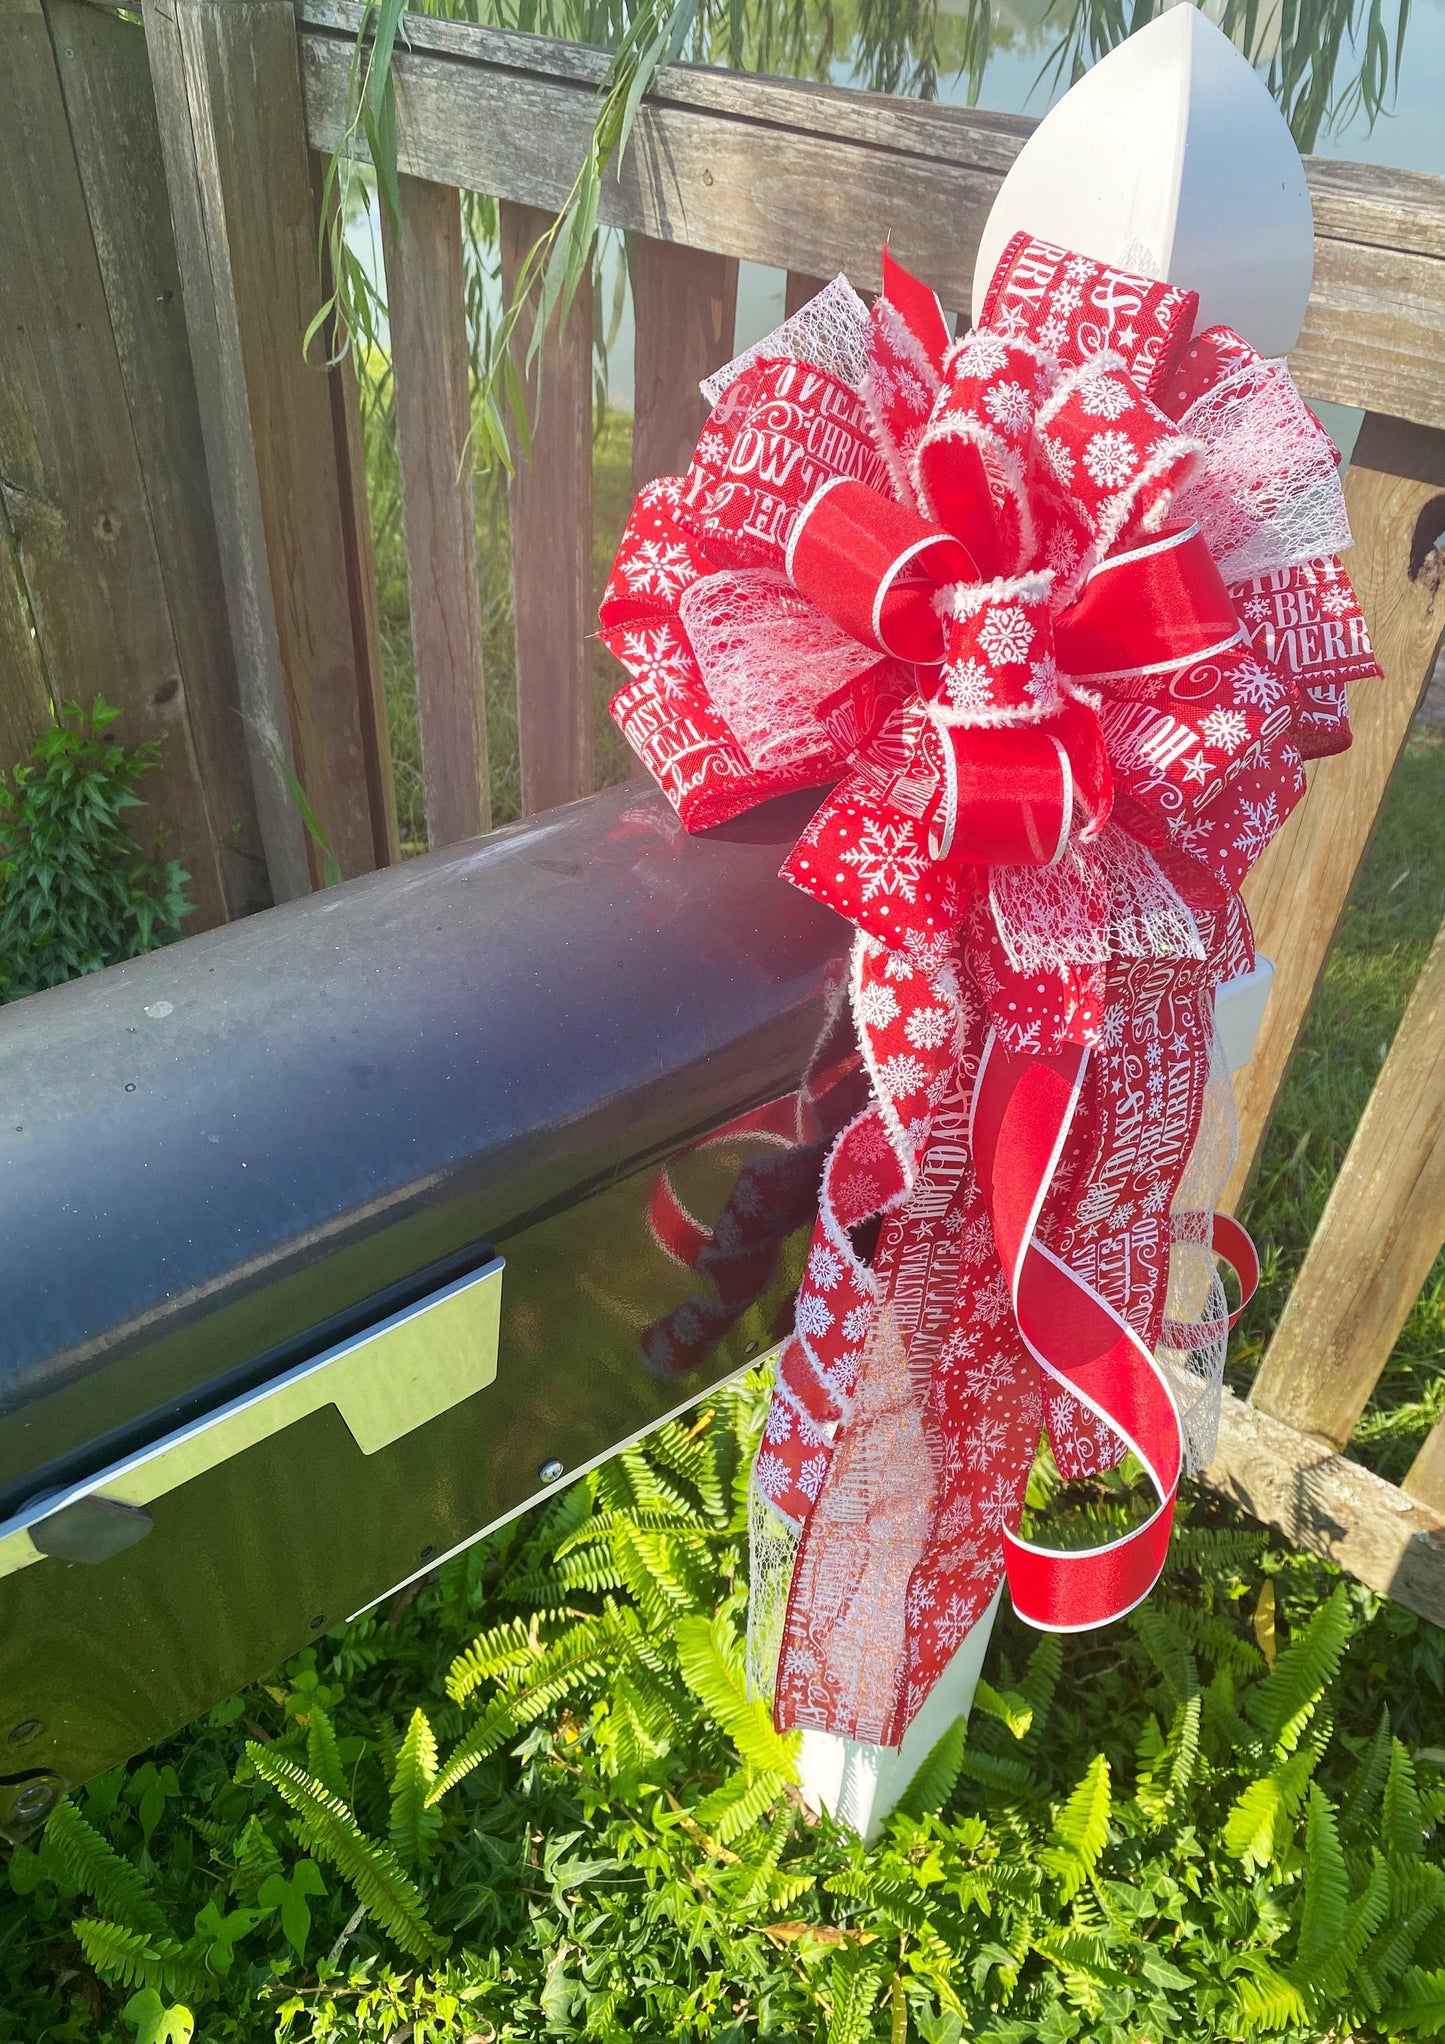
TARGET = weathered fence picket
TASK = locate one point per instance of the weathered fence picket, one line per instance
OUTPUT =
(550, 503)
(684, 304)
(425, 295)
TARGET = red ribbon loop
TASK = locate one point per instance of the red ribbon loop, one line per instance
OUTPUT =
(872, 565)
(1149, 609)
(1008, 796)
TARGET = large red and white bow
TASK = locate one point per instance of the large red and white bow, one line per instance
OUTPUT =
(1057, 611)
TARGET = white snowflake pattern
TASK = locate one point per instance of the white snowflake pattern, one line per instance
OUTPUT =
(812, 1316)
(1067, 296)
(901, 1075)
(1043, 679)
(913, 391)
(712, 450)
(875, 1005)
(958, 1348)
(985, 1440)
(779, 1423)
(1006, 634)
(811, 1474)
(992, 1302)
(981, 355)
(888, 860)
(1063, 551)
(993, 1374)
(1111, 458)
(770, 1474)
(1257, 609)
(658, 568)
(825, 1266)
(800, 1661)
(1258, 685)
(657, 654)
(1336, 602)
(978, 1242)
(897, 965)
(1058, 458)
(1156, 1199)
(1053, 333)
(954, 1621)
(1104, 397)
(996, 1506)
(970, 686)
(1120, 1218)
(1009, 407)
(1258, 823)
(928, 1028)
(1224, 729)
(956, 1514)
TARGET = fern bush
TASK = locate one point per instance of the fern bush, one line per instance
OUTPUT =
(539, 1803)
(77, 889)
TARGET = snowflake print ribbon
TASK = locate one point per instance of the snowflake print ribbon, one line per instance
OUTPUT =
(1054, 613)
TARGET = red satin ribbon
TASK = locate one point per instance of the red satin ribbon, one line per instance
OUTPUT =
(873, 565)
(1148, 610)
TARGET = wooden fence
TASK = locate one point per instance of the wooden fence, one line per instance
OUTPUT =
(248, 95)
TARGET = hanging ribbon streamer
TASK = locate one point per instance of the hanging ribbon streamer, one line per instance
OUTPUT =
(1017, 602)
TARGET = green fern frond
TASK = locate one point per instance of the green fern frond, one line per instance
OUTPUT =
(742, 1801)
(596, 1643)
(414, 1823)
(1258, 1823)
(323, 1760)
(1282, 1705)
(131, 1958)
(1082, 1829)
(710, 1659)
(1267, 2001)
(1369, 1778)
(513, 1644)
(1326, 1886)
(854, 1994)
(1401, 1819)
(380, 1884)
(936, 1779)
(1419, 2007)
(94, 1866)
(999, 1772)
(256, 1855)
(1168, 1649)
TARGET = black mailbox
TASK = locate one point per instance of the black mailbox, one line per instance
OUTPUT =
(330, 1240)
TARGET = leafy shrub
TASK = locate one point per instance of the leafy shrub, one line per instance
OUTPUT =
(77, 890)
(537, 1802)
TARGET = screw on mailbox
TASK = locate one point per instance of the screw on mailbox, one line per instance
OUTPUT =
(551, 1469)
(24, 1732)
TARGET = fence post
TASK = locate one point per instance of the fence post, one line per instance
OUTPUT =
(425, 297)
(684, 303)
(551, 517)
(1395, 493)
(289, 512)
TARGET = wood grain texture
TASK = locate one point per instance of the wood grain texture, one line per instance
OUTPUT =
(1425, 1478)
(1320, 1500)
(685, 305)
(239, 172)
(70, 472)
(811, 177)
(798, 288)
(25, 709)
(1395, 491)
(426, 306)
(550, 503)
(105, 78)
(1376, 1240)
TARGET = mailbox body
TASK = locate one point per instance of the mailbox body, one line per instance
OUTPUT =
(443, 1089)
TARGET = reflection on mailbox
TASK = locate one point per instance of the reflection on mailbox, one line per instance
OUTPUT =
(334, 1237)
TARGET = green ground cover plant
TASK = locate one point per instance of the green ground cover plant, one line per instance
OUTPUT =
(78, 889)
(536, 1802)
